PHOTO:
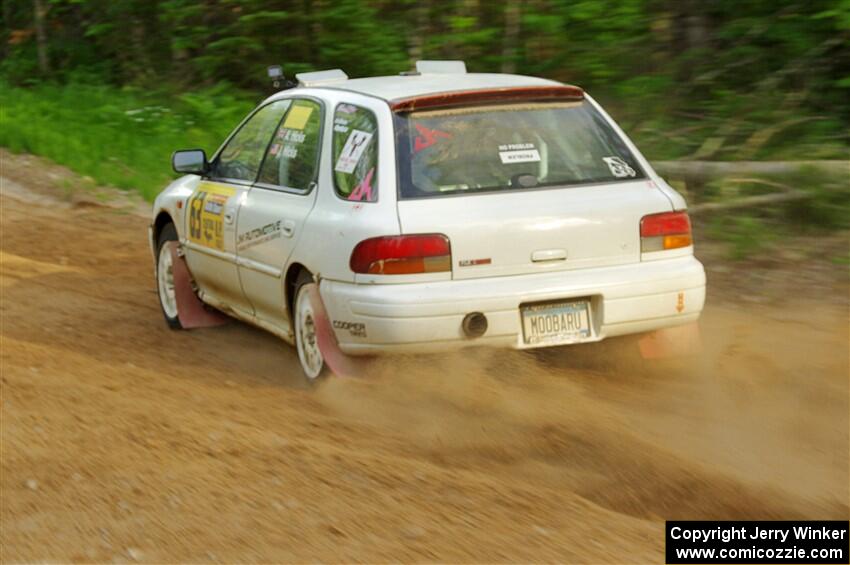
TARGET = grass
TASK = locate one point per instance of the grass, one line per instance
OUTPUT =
(124, 137)
(117, 136)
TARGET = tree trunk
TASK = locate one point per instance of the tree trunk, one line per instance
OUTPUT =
(690, 31)
(416, 38)
(6, 27)
(696, 25)
(316, 32)
(512, 20)
(41, 37)
(7, 14)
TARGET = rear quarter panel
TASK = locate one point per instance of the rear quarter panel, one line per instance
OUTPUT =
(336, 225)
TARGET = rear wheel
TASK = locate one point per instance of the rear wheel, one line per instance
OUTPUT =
(165, 277)
(306, 338)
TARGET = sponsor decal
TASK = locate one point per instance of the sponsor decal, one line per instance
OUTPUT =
(427, 137)
(353, 149)
(363, 191)
(518, 153)
(206, 218)
(618, 167)
(259, 235)
(357, 329)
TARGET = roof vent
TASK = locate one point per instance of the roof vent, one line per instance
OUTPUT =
(321, 77)
(441, 67)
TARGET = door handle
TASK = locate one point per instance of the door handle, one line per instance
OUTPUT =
(228, 217)
(549, 255)
(288, 228)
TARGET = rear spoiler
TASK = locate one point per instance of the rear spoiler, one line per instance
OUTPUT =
(487, 96)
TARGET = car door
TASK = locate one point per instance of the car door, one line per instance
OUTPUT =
(210, 244)
(274, 210)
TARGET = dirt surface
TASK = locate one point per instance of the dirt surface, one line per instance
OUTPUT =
(124, 441)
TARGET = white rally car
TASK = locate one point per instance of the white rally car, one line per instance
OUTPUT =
(426, 211)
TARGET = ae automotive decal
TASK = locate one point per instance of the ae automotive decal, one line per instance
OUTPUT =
(259, 235)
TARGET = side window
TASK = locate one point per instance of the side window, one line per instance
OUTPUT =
(355, 153)
(240, 158)
(293, 156)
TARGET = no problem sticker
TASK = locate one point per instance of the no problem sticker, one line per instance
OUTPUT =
(518, 153)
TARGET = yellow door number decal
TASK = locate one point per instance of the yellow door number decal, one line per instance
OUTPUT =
(206, 215)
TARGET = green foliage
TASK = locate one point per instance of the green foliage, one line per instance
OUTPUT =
(747, 231)
(829, 204)
(745, 234)
(122, 137)
(721, 80)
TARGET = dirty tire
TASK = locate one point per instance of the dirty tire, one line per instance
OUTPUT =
(164, 278)
(313, 366)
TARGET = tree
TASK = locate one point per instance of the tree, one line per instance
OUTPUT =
(512, 20)
(41, 37)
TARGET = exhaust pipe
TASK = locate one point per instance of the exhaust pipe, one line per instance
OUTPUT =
(474, 324)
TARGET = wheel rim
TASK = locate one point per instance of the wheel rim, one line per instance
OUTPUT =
(309, 354)
(165, 278)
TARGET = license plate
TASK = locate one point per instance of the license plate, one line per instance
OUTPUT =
(556, 323)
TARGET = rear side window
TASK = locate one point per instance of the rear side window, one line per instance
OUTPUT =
(508, 147)
(292, 157)
(355, 153)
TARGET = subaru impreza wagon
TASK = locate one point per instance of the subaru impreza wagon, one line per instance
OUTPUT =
(431, 210)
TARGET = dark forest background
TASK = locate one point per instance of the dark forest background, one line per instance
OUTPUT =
(743, 53)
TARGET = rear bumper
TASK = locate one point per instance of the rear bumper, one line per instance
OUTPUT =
(418, 317)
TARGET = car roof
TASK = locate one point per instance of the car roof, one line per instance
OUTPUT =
(406, 86)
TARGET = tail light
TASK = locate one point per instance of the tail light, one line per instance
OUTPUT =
(402, 255)
(669, 230)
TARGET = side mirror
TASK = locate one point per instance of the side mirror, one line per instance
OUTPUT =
(190, 161)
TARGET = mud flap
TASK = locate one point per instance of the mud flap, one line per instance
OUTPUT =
(191, 312)
(338, 362)
(671, 342)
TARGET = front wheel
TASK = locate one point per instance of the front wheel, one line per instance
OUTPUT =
(306, 341)
(165, 277)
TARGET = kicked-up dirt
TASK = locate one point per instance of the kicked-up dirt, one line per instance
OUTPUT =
(124, 441)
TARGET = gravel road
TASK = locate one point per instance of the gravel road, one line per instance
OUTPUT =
(124, 441)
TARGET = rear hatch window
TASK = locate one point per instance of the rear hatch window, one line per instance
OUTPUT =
(516, 146)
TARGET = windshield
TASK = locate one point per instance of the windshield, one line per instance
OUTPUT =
(508, 147)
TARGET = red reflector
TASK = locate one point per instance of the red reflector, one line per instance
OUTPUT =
(667, 223)
(402, 254)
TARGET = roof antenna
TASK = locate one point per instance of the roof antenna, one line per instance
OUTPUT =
(280, 82)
